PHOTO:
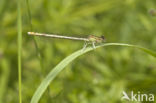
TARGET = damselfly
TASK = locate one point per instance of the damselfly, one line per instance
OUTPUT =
(91, 39)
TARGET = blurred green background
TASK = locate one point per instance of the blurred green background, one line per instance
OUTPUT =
(99, 76)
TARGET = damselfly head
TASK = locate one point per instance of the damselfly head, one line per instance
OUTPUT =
(102, 37)
(152, 12)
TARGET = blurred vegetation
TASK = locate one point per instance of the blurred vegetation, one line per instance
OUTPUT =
(96, 77)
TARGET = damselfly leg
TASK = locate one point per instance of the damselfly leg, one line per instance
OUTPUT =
(93, 44)
(84, 46)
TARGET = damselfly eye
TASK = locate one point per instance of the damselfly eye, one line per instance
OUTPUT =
(103, 37)
(152, 12)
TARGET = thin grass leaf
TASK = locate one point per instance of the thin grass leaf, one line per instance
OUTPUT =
(19, 30)
(34, 38)
(54, 72)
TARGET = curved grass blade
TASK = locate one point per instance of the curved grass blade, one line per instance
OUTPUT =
(54, 72)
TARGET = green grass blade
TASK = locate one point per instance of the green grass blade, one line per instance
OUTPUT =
(19, 30)
(29, 15)
(150, 52)
(54, 72)
(34, 38)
